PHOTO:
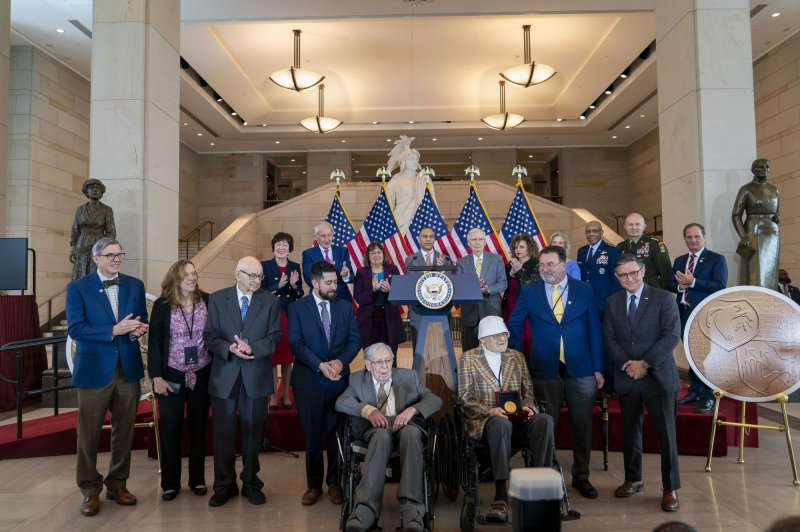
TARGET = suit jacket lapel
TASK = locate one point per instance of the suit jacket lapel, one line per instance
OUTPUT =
(102, 297)
(233, 308)
(256, 302)
(399, 393)
(486, 371)
(314, 310)
(641, 306)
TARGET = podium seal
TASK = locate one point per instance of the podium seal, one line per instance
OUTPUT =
(434, 290)
(745, 341)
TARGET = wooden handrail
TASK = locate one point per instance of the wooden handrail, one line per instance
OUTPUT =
(197, 229)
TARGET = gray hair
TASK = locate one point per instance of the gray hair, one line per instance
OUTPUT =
(371, 350)
(320, 225)
(475, 230)
(102, 244)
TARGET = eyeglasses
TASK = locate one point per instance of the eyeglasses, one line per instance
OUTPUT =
(498, 336)
(113, 256)
(630, 275)
(253, 276)
(385, 363)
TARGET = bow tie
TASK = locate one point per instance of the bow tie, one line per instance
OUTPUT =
(111, 282)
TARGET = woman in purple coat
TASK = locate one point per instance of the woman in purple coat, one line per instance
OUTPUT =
(378, 319)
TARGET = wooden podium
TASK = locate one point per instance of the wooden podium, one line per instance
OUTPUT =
(434, 356)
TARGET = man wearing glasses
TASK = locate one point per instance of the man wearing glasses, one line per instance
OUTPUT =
(483, 373)
(326, 251)
(566, 358)
(388, 408)
(641, 328)
(106, 314)
(242, 331)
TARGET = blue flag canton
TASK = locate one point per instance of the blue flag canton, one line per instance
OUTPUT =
(472, 215)
(343, 231)
(380, 224)
(427, 215)
(520, 219)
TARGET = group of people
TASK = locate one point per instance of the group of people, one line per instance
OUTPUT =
(540, 332)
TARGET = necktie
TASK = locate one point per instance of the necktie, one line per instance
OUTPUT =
(632, 310)
(590, 255)
(383, 398)
(111, 282)
(689, 269)
(558, 311)
(245, 305)
(429, 258)
(785, 289)
(478, 265)
(326, 319)
(328, 256)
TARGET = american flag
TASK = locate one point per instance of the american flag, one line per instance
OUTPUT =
(520, 220)
(381, 226)
(343, 232)
(473, 214)
(427, 215)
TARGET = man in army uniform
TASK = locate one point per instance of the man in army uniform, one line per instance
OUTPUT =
(651, 251)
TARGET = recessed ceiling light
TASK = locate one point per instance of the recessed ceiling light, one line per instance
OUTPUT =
(641, 116)
(582, 117)
(343, 141)
(61, 30)
(388, 140)
(480, 138)
(609, 90)
(356, 171)
(244, 123)
(410, 121)
(292, 160)
(263, 125)
(211, 143)
(375, 123)
(559, 119)
(593, 106)
(304, 173)
(530, 156)
(186, 123)
(199, 134)
(277, 142)
(434, 139)
(613, 136)
(774, 15)
(233, 113)
(627, 127)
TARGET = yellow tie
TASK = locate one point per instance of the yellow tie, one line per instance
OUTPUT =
(478, 265)
(558, 311)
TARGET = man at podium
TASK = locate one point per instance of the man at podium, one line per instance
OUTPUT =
(426, 256)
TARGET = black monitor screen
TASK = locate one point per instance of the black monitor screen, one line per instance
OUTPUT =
(13, 263)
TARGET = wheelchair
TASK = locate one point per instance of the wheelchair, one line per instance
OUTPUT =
(352, 452)
(463, 463)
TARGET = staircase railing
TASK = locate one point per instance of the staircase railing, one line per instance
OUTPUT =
(48, 325)
(195, 233)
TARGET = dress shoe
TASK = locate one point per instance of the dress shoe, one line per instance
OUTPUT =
(254, 496)
(629, 488)
(199, 490)
(705, 407)
(169, 495)
(689, 398)
(122, 496)
(335, 494)
(585, 488)
(90, 505)
(311, 496)
(222, 496)
(669, 501)
(498, 513)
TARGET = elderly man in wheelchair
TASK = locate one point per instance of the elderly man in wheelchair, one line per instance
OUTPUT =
(388, 408)
(496, 393)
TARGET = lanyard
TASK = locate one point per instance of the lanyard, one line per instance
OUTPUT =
(190, 327)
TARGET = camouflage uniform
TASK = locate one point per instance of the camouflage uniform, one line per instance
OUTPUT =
(655, 256)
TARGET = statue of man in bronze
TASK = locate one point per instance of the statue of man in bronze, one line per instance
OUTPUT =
(759, 234)
(93, 220)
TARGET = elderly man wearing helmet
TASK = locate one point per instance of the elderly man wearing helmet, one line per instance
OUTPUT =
(482, 373)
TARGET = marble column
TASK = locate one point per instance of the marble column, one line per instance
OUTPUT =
(134, 127)
(496, 164)
(320, 164)
(5, 62)
(706, 117)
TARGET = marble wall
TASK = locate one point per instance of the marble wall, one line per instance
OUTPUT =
(777, 96)
(48, 159)
(5, 62)
(229, 185)
(645, 178)
(190, 167)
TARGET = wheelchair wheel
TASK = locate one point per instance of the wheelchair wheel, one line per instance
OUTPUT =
(447, 457)
(467, 519)
(431, 465)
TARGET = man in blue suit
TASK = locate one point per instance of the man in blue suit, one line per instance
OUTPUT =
(338, 256)
(324, 338)
(596, 260)
(106, 315)
(695, 276)
(566, 358)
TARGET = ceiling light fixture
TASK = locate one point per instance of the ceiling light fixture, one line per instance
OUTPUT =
(774, 15)
(294, 77)
(559, 119)
(234, 113)
(613, 136)
(610, 89)
(593, 106)
(61, 30)
(375, 123)
(320, 123)
(583, 116)
(529, 73)
(625, 73)
(503, 120)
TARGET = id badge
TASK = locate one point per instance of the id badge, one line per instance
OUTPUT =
(190, 354)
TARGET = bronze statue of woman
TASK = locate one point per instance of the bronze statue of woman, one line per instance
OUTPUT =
(93, 220)
(759, 234)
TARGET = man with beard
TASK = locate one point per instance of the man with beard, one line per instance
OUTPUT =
(324, 338)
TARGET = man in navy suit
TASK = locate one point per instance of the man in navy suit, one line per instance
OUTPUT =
(566, 358)
(106, 313)
(596, 260)
(336, 255)
(695, 276)
(324, 338)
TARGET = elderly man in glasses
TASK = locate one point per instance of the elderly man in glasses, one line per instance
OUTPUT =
(242, 331)
(495, 388)
(106, 315)
(641, 327)
(388, 408)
